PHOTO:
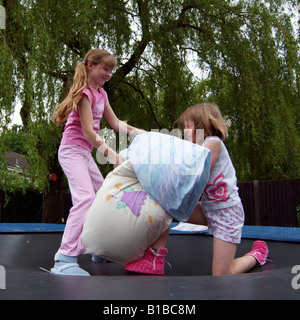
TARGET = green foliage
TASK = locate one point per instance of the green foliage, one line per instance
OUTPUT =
(247, 50)
(43, 140)
(16, 140)
(257, 85)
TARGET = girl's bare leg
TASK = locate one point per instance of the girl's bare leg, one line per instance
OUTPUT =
(161, 242)
(197, 216)
(224, 262)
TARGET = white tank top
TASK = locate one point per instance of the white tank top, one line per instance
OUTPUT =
(221, 190)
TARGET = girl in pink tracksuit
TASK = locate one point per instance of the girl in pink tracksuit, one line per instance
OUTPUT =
(83, 109)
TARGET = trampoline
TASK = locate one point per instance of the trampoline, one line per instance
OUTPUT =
(24, 248)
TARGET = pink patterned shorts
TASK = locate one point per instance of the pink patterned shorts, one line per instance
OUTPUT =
(226, 224)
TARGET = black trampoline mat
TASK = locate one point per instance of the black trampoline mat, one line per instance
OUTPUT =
(189, 278)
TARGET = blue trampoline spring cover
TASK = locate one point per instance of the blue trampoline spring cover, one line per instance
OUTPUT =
(30, 227)
(284, 234)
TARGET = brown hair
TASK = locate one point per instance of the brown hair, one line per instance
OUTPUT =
(206, 116)
(96, 56)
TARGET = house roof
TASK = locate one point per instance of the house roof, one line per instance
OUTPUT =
(16, 161)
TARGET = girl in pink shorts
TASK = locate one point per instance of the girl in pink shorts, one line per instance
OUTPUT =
(220, 207)
(220, 203)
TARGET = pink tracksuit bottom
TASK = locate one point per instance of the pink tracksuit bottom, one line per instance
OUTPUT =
(84, 180)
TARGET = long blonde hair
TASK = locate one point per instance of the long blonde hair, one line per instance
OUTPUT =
(205, 116)
(96, 56)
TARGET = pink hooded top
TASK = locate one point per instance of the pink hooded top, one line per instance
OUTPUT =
(73, 133)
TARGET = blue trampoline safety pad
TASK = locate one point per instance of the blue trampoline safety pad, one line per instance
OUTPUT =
(30, 227)
(285, 234)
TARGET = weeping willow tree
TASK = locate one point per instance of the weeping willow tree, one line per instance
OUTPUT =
(255, 79)
(247, 52)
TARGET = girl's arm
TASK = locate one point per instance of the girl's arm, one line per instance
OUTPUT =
(215, 148)
(86, 117)
(117, 124)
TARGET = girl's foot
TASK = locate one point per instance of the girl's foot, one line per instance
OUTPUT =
(151, 263)
(66, 265)
(259, 251)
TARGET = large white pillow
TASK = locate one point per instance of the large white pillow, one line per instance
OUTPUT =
(173, 171)
(123, 220)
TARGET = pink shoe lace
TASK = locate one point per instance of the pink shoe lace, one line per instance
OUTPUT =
(259, 251)
(151, 263)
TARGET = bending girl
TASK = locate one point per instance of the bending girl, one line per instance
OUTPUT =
(221, 207)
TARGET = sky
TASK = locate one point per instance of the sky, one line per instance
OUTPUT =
(16, 119)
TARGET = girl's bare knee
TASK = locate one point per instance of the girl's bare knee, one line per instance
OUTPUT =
(221, 272)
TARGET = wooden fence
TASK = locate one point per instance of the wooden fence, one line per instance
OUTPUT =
(267, 203)
(271, 203)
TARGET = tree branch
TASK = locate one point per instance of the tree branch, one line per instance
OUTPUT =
(144, 98)
(123, 71)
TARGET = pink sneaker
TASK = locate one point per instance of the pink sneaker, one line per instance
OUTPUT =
(151, 263)
(259, 251)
